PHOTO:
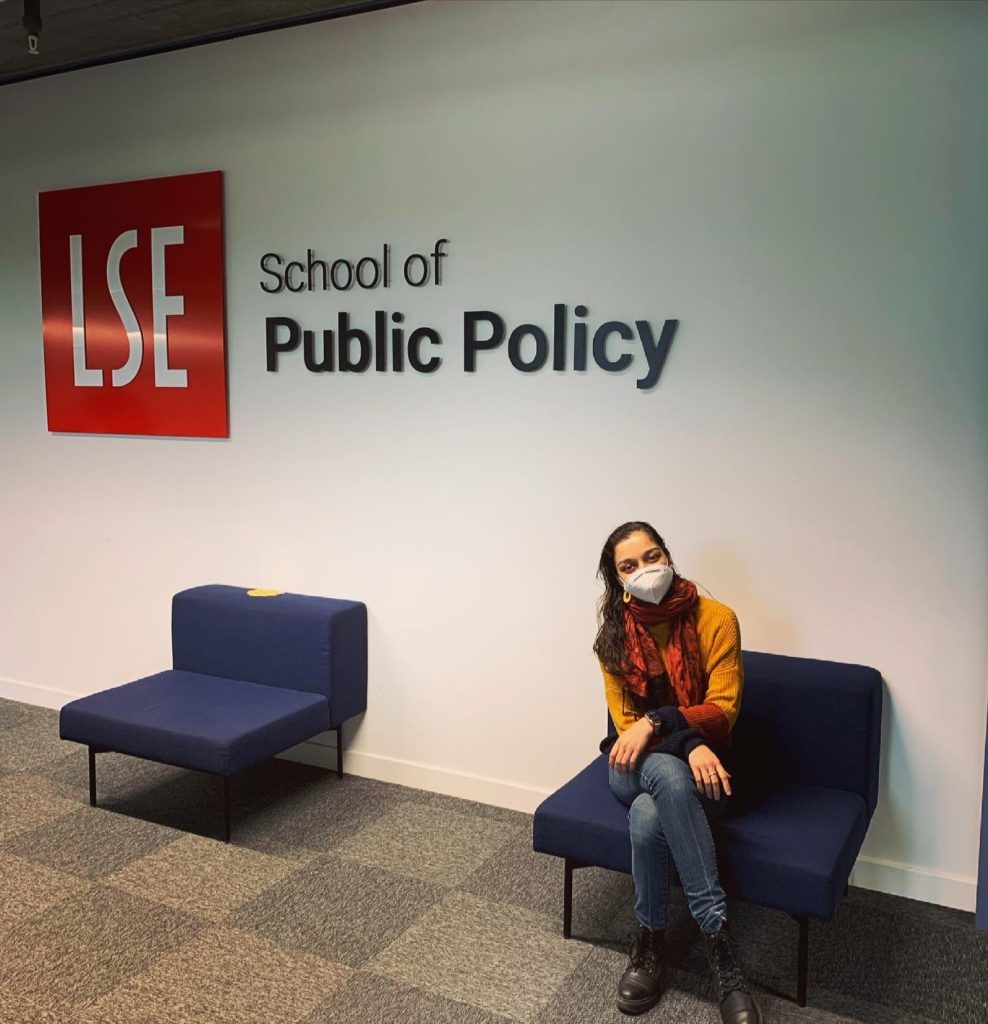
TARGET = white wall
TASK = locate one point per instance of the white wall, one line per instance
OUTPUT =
(802, 185)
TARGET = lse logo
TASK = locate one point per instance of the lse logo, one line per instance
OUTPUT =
(132, 299)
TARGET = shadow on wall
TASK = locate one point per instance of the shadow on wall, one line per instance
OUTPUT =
(893, 813)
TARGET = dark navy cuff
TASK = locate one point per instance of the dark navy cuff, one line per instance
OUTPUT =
(671, 718)
(691, 742)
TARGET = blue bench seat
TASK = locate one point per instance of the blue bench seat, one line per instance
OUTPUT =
(790, 847)
(191, 720)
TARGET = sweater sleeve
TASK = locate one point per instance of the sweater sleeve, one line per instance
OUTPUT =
(715, 717)
(622, 715)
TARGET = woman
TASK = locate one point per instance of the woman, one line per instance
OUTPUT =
(672, 678)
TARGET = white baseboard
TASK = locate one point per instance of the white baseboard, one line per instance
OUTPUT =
(322, 753)
(31, 693)
(916, 883)
(869, 872)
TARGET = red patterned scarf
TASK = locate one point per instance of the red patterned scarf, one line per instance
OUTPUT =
(641, 652)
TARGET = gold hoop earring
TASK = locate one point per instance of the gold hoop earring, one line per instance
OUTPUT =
(627, 597)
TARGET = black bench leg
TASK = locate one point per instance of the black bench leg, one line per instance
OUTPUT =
(804, 945)
(226, 808)
(567, 898)
(92, 777)
(339, 750)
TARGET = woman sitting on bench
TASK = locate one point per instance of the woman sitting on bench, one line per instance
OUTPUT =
(673, 679)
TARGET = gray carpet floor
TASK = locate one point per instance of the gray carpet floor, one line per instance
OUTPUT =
(348, 900)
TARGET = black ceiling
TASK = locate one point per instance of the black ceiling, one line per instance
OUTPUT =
(81, 33)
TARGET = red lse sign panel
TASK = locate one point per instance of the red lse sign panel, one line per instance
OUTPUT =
(132, 300)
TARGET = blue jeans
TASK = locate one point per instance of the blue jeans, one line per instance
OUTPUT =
(668, 818)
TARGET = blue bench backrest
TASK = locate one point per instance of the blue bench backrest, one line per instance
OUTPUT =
(315, 644)
(809, 721)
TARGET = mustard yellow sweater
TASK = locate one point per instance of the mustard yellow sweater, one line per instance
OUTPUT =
(719, 637)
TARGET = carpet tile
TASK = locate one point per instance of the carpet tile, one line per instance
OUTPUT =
(603, 901)
(504, 959)
(337, 910)
(28, 890)
(201, 876)
(223, 977)
(31, 743)
(375, 999)
(12, 714)
(85, 946)
(28, 802)
(315, 814)
(433, 844)
(17, 1010)
(90, 842)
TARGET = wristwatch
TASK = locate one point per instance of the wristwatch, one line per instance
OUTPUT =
(656, 720)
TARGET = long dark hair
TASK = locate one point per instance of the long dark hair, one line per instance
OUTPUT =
(609, 645)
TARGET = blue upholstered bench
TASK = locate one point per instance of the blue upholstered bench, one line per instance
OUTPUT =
(804, 764)
(253, 674)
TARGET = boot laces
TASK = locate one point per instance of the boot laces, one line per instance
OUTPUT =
(651, 959)
(644, 953)
(726, 963)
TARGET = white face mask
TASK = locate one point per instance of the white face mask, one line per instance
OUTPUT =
(650, 584)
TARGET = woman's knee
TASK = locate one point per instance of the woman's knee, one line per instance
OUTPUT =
(667, 775)
(643, 820)
(624, 785)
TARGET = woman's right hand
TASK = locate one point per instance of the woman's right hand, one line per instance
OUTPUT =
(630, 745)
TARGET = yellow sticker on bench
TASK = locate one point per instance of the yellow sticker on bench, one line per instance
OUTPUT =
(261, 592)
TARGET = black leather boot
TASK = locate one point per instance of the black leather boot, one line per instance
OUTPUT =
(641, 984)
(737, 1005)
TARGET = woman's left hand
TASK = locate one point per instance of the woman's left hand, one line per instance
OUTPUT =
(708, 772)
